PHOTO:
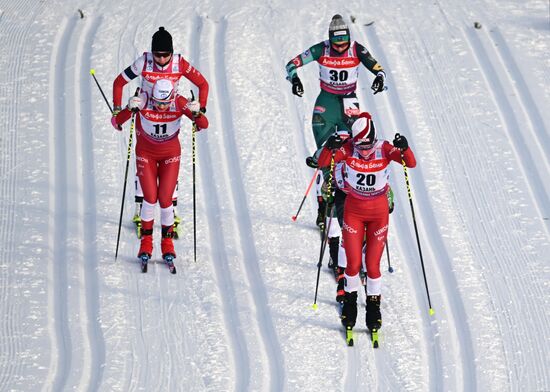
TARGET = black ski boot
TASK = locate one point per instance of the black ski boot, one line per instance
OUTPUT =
(340, 293)
(349, 310)
(334, 247)
(373, 317)
(321, 214)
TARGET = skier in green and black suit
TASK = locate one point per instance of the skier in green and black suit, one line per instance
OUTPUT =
(336, 107)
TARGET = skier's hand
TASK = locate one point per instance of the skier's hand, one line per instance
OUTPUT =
(116, 110)
(334, 142)
(135, 103)
(114, 124)
(297, 87)
(378, 83)
(203, 110)
(194, 107)
(400, 142)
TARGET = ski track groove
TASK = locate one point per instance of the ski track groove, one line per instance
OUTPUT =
(531, 114)
(10, 346)
(387, 377)
(243, 223)
(241, 361)
(510, 122)
(443, 269)
(482, 48)
(88, 274)
(61, 345)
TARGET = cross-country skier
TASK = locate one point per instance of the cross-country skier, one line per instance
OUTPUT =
(158, 152)
(336, 106)
(364, 176)
(161, 62)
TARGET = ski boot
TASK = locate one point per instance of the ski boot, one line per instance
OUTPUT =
(391, 204)
(136, 220)
(373, 317)
(146, 248)
(167, 247)
(349, 315)
(177, 221)
(334, 247)
(321, 213)
(340, 293)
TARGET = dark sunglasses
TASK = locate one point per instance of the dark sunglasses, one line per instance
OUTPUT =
(162, 54)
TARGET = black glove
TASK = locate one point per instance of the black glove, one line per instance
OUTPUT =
(400, 142)
(334, 142)
(116, 110)
(203, 110)
(312, 162)
(297, 87)
(378, 83)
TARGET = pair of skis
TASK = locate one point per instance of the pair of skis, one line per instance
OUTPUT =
(373, 337)
(168, 259)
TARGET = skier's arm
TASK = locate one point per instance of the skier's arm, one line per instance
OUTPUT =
(312, 54)
(201, 120)
(400, 145)
(339, 155)
(367, 60)
(130, 73)
(195, 77)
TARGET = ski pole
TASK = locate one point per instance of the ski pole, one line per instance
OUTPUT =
(194, 194)
(294, 217)
(194, 155)
(325, 230)
(390, 268)
(131, 138)
(92, 72)
(409, 192)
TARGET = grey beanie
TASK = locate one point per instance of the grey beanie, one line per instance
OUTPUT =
(338, 29)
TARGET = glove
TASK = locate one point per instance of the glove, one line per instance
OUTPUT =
(334, 142)
(400, 142)
(116, 110)
(203, 110)
(194, 107)
(114, 124)
(312, 162)
(134, 103)
(378, 83)
(297, 87)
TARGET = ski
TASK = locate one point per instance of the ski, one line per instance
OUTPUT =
(349, 336)
(169, 259)
(144, 261)
(374, 337)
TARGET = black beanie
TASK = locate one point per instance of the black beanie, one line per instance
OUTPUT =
(162, 41)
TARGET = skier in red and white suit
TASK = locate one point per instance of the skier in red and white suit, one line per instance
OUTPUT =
(364, 177)
(160, 63)
(158, 152)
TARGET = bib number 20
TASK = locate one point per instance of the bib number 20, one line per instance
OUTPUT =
(366, 179)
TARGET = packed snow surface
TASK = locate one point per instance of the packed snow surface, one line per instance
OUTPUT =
(473, 103)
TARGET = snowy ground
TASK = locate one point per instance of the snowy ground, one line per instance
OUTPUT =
(472, 102)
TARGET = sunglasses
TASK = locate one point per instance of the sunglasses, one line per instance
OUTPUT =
(162, 54)
(341, 44)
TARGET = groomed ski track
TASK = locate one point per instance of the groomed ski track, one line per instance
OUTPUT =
(470, 103)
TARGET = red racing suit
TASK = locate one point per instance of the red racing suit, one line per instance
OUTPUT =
(366, 180)
(146, 67)
(158, 148)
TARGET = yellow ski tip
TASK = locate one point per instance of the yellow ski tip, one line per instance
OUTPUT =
(314, 306)
(432, 312)
(92, 71)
